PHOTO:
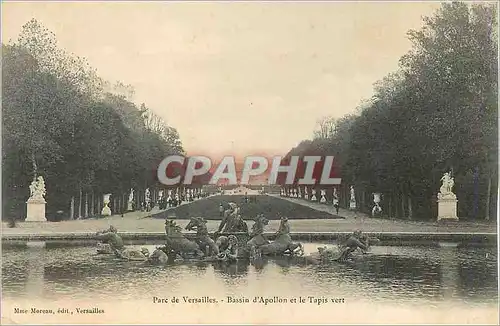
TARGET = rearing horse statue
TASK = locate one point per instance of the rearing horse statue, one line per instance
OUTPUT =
(178, 244)
(283, 243)
(202, 238)
(257, 236)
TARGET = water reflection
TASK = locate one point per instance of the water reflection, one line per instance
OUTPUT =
(389, 273)
(477, 274)
(449, 276)
(237, 269)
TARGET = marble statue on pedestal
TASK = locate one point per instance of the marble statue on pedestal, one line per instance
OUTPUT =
(447, 200)
(323, 197)
(336, 200)
(37, 188)
(306, 193)
(352, 201)
(300, 193)
(376, 210)
(106, 211)
(36, 202)
(335, 195)
(445, 191)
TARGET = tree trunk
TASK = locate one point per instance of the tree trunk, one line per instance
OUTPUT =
(86, 204)
(488, 198)
(362, 202)
(80, 204)
(92, 209)
(410, 212)
(72, 208)
(390, 206)
(403, 209)
(397, 206)
(35, 166)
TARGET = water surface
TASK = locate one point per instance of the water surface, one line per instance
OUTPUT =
(400, 275)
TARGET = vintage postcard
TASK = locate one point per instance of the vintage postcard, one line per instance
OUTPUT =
(230, 162)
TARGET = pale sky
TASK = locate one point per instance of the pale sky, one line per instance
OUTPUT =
(245, 77)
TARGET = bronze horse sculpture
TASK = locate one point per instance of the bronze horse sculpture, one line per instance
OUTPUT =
(178, 244)
(257, 238)
(283, 245)
(208, 246)
(259, 245)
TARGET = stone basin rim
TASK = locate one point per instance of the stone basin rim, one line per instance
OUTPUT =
(266, 233)
(490, 237)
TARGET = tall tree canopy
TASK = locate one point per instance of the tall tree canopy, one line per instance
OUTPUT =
(438, 112)
(61, 121)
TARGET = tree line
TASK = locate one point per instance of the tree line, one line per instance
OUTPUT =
(437, 113)
(84, 135)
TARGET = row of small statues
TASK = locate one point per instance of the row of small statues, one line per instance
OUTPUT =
(188, 193)
(445, 190)
(297, 193)
(38, 191)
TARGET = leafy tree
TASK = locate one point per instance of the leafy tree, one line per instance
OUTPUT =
(438, 112)
(60, 123)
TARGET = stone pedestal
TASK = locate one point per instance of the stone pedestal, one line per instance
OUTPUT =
(106, 211)
(447, 209)
(129, 206)
(36, 210)
(352, 204)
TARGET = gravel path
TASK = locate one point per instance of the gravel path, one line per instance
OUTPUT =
(140, 222)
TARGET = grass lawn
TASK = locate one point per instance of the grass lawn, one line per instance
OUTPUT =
(267, 205)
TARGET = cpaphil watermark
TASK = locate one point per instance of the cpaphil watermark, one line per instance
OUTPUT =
(301, 170)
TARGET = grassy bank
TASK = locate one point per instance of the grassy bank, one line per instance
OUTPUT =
(267, 205)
